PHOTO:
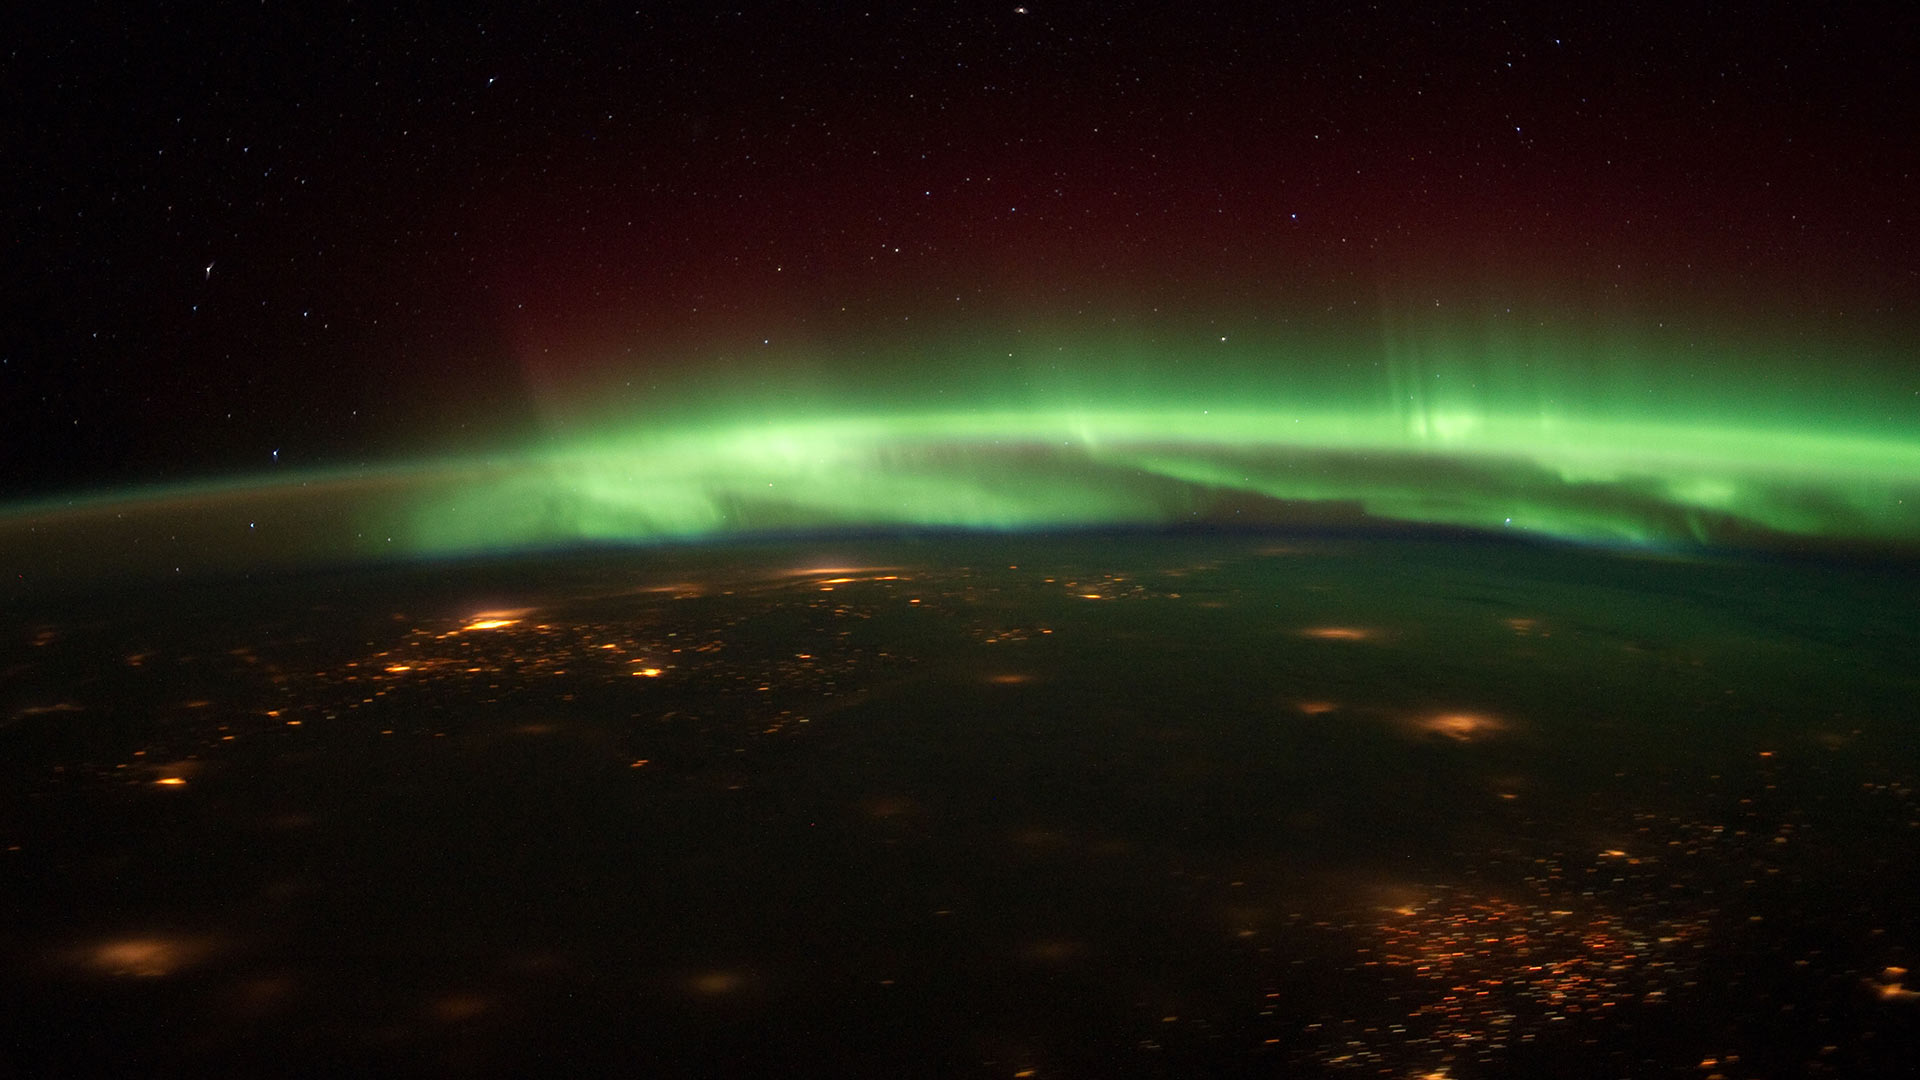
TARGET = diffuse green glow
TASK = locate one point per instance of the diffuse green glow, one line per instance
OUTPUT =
(1636, 481)
(1621, 432)
(1603, 442)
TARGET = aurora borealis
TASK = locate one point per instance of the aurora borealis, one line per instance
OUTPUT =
(698, 274)
(1248, 434)
(1437, 438)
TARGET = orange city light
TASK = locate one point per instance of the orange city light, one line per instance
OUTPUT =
(1339, 633)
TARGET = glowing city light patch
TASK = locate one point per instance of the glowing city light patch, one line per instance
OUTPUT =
(842, 574)
(1339, 633)
(1458, 726)
(44, 710)
(718, 983)
(1891, 986)
(144, 957)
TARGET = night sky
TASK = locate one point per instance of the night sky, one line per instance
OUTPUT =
(256, 243)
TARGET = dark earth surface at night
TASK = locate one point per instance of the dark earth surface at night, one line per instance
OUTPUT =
(1007, 806)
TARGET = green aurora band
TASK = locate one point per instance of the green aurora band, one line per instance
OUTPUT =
(1692, 453)
(1638, 482)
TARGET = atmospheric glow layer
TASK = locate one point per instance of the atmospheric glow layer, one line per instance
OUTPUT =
(1597, 443)
(1634, 481)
